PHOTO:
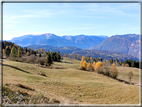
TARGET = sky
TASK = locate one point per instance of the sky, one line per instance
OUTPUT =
(106, 19)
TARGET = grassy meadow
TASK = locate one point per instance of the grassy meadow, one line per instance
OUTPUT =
(71, 85)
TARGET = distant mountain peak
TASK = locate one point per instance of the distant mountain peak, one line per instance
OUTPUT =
(127, 43)
(54, 40)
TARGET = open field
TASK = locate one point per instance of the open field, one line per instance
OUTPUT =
(71, 85)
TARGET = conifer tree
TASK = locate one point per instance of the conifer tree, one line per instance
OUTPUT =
(48, 60)
(84, 65)
(35, 52)
(90, 67)
(114, 72)
(91, 59)
(28, 53)
(74, 56)
(19, 52)
(82, 60)
(94, 64)
(111, 60)
(3, 51)
(42, 51)
(13, 53)
(69, 55)
(58, 57)
(40, 55)
(7, 51)
(38, 51)
(26, 50)
(77, 56)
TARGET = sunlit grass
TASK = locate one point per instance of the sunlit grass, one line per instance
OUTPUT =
(77, 85)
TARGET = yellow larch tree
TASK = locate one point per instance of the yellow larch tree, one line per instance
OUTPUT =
(82, 60)
(84, 65)
(99, 67)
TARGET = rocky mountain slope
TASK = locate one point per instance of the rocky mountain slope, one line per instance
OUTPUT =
(128, 43)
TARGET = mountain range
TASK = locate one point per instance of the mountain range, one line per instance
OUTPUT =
(80, 41)
(129, 44)
(124, 44)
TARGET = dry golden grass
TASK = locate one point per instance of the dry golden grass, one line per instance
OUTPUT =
(72, 85)
(124, 71)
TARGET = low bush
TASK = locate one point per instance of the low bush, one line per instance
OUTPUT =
(126, 65)
(18, 59)
(41, 60)
(123, 65)
(106, 71)
(20, 97)
(32, 59)
(24, 59)
(42, 74)
(90, 67)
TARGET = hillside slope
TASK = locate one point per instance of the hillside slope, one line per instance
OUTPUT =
(72, 86)
(128, 43)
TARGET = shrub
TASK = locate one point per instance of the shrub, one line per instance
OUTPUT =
(28, 53)
(126, 65)
(42, 74)
(123, 65)
(106, 71)
(107, 63)
(24, 59)
(18, 59)
(41, 60)
(99, 67)
(32, 59)
(94, 64)
(90, 67)
(114, 72)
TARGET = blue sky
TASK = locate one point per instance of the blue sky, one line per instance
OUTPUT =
(70, 19)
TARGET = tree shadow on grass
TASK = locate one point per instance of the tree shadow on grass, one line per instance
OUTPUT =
(16, 68)
(126, 82)
(67, 62)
